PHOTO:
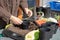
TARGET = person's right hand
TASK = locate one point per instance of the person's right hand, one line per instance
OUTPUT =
(16, 20)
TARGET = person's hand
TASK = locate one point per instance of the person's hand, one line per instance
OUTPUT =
(16, 20)
(28, 12)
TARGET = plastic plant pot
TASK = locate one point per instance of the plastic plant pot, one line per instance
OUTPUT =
(47, 30)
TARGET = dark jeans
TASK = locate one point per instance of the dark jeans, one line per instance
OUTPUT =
(2, 23)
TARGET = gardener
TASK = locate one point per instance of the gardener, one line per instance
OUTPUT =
(8, 13)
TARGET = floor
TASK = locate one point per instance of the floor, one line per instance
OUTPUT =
(57, 35)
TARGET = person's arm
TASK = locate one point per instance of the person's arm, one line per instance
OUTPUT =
(4, 13)
(24, 4)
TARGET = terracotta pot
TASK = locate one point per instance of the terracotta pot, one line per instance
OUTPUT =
(59, 22)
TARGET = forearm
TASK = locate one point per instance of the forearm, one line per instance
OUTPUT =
(4, 13)
(24, 4)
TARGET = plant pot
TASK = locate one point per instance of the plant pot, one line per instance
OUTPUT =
(47, 30)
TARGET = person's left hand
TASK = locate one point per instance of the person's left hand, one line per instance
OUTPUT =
(28, 12)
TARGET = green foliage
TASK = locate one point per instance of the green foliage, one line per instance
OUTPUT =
(57, 17)
(36, 35)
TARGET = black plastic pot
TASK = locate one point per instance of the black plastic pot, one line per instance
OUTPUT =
(47, 30)
(2, 23)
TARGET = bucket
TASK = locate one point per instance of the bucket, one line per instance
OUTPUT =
(54, 5)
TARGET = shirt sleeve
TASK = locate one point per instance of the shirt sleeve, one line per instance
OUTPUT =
(24, 3)
(4, 13)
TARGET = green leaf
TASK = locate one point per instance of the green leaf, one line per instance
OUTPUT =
(36, 35)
